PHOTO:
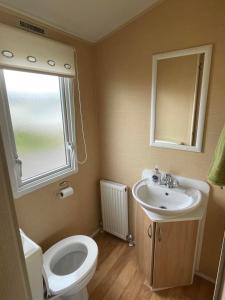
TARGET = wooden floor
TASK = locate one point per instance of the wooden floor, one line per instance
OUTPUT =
(117, 277)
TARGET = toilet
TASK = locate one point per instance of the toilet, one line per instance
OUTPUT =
(67, 267)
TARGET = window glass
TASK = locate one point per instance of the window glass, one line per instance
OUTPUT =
(37, 120)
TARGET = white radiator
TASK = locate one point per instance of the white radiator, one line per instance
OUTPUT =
(114, 203)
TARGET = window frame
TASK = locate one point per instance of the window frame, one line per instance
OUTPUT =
(21, 187)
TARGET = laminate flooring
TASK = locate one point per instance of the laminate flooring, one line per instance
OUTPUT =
(117, 277)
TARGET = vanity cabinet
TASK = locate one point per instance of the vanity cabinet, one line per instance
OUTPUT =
(165, 251)
(145, 230)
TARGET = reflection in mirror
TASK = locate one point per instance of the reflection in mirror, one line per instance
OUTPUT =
(180, 81)
(177, 99)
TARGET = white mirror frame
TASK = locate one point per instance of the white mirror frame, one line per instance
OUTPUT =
(207, 51)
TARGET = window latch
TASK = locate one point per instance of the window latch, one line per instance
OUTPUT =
(70, 146)
(19, 166)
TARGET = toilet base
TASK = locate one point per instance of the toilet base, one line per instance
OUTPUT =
(81, 295)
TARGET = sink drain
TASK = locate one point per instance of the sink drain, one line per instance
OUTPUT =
(163, 207)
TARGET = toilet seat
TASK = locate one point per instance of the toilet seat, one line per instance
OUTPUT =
(60, 284)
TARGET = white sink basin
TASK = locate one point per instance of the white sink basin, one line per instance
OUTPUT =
(162, 200)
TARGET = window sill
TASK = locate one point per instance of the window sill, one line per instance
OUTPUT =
(18, 192)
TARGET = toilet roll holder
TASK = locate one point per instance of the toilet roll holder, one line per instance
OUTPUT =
(62, 185)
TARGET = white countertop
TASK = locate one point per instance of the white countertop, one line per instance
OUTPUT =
(196, 214)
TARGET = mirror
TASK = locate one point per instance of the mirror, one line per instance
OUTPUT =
(179, 93)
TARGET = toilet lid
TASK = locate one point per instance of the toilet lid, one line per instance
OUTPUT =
(59, 284)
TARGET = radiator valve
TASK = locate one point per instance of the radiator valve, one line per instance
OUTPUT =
(130, 240)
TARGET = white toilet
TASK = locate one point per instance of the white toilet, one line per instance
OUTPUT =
(68, 267)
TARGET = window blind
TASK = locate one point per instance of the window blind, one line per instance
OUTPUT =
(24, 50)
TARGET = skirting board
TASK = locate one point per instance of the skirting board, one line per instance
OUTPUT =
(205, 277)
(95, 233)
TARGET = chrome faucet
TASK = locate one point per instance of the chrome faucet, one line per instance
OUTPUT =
(169, 181)
(164, 179)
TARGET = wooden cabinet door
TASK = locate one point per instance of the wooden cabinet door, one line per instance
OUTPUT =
(175, 244)
(144, 243)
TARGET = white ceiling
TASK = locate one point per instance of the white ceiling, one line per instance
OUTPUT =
(88, 19)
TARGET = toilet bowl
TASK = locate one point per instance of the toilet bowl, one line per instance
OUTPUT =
(68, 266)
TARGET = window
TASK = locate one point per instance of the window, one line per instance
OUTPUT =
(38, 128)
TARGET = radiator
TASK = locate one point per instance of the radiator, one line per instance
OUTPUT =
(114, 204)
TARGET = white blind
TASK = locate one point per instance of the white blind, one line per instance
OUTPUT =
(28, 51)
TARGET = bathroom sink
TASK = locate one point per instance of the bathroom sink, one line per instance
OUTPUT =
(166, 201)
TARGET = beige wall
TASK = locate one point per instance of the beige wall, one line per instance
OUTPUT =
(124, 86)
(44, 218)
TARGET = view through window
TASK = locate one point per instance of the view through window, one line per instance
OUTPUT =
(36, 114)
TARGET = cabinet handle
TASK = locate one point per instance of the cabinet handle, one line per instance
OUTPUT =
(150, 231)
(159, 234)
